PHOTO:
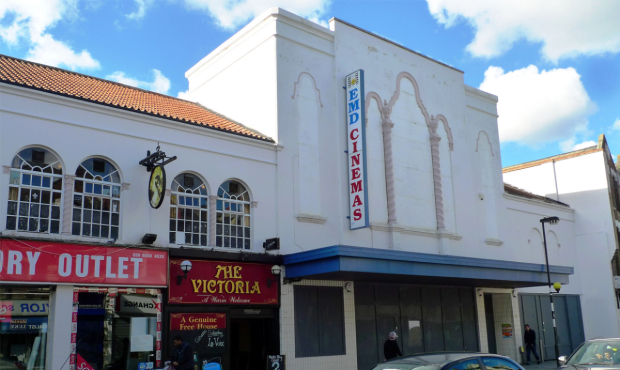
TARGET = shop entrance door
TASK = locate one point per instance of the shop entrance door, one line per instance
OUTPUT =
(252, 339)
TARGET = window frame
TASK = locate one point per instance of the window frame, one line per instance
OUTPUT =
(298, 334)
(220, 205)
(83, 193)
(52, 175)
(175, 196)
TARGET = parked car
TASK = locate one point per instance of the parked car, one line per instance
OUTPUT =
(450, 361)
(598, 353)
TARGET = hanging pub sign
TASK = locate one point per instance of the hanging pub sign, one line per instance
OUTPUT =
(154, 164)
(205, 332)
(223, 283)
(356, 138)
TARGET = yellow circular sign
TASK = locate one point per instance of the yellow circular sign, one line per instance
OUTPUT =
(157, 186)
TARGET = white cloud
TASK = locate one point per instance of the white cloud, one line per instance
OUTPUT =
(616, 125)
(564, 27)
(539, 107)
(585, 144)
(29, 21)
(160, 84)
(141, 11)
(229, 14)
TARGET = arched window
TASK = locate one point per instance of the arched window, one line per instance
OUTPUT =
(35, 192)
(96, 199)
(233, 216)
(189, 213)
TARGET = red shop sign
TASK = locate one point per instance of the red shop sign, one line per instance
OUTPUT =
(228, 283)
(31, 261)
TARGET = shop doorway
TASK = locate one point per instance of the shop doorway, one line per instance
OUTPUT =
(252, 340)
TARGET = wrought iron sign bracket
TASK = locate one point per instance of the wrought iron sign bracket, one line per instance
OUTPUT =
(156, 159)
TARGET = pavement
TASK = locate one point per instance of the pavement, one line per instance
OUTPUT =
(547, 365)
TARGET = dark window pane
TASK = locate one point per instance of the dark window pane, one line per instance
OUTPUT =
(218, 229)
(34, 210)
(306, 321)
(106, 204)
(180, 225)
(188, 238)
(195, 239)
(79, 186)
(12, 208)
(247, 232)
(45, 211)
(96, 203)
(240, 231)
(56, 198)
(56, 213)
(203, 240)
(75, 228)
(23, 209)
(331, 320)
(47, 182)
(86, 229)
(95, 230)
(77, 200)
(115, 219)
(218, 241)
(22, 224)
(105, 231)
(226, 230)
(57, 183)
(203, 202)
(105, 218)
(10, 223)
(196, 215)
(25, 179)
(114, 233)
(203, 216)
(55, 229)
(88, 202)
(35, 196)
(188, 226)
(203, 227)
(233, 242)
(46, 197)
(88, 187)
(173, 236)
(98, 189)
(246, 243)
(226, 242)
(452, 328)
(196, 227)
(24, 195)
(44, 224)
(96, 217)
(87, 216)
(240, 243)
(233, 230)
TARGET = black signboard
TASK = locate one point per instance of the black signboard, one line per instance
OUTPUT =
(204, 332)
(275, 362)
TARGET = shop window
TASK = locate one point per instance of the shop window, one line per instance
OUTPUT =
(96, 200)
(189, 211)
(23, 327)
(35, 192)
(319, 321)
(233, 216)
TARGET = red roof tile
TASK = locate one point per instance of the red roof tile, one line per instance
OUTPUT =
(75, 85)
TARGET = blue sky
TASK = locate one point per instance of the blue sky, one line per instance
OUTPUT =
(555, 65)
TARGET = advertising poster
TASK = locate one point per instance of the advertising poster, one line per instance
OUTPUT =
(204, 332)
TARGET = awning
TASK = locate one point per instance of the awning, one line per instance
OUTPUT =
(341, 262)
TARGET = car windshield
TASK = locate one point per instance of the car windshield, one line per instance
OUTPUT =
(404, 366)
(602, 352)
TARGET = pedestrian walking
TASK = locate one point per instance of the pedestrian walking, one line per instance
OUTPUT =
(183, 358)
(530, 344)
(390, 348)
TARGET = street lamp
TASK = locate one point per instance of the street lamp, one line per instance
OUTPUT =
(552, 221)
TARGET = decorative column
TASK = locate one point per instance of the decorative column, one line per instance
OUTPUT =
(437, 174)
(389, 169)
(67, 207)
(212, 219)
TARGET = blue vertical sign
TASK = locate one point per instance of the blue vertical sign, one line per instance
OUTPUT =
(356, 138)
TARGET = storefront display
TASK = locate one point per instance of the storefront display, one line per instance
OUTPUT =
(226, 311)
(23, 326)
(116, 328)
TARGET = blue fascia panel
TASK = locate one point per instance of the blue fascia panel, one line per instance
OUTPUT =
(376, 255)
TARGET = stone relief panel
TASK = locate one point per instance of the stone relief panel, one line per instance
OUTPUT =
(307, 112)
(445, 158)
(376, 165)
(413, 168)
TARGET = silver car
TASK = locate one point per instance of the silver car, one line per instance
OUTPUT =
(597, 353)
